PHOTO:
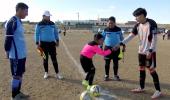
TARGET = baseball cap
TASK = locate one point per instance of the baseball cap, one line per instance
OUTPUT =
(47, 13)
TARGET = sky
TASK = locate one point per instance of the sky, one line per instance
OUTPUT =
(89, 9)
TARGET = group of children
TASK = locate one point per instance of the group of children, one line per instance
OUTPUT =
(112, 37)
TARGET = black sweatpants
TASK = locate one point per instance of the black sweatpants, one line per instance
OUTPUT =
(49, 48)
(88, 67)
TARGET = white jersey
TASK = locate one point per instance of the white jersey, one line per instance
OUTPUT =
(147, 34)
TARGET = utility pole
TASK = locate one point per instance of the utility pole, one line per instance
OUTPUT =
(78, 16)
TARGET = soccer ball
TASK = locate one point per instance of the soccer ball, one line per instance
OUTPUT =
(95, 90)
(85, 96)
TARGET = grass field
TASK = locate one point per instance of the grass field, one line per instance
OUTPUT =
(70, 88)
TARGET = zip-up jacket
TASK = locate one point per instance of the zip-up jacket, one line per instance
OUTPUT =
(46, 31)
(112, 36)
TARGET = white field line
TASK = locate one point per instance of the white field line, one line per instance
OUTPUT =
(103, 92)
(73, 59)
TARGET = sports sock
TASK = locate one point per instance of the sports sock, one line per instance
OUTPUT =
(16, 85)
(156, 80)
(142, 78)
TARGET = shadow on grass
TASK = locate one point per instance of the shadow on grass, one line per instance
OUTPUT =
(163, 85)
(124, 92)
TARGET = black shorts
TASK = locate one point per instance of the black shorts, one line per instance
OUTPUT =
(114, 55)
(17, 66)
(86, 63)
(147, 62)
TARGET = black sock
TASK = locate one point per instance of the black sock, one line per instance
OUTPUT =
(142, 78)
(156, 80)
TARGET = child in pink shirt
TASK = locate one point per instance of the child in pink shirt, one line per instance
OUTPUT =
(86, 55)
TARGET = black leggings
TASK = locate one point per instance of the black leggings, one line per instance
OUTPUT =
(49, 48)
(88, 67)
(113, 56)
(115, 66)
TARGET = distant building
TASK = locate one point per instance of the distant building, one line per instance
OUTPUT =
(131, 23)
(102, 21)
(75, 22)
(83, 24)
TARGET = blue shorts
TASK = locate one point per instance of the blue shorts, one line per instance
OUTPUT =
(17, 66)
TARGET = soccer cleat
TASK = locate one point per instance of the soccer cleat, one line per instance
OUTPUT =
(85, 83)
(116, 78)
(88, 88)
(106, 78)
(137, 90)
(59, 76)
(156, 95)
(45, 75)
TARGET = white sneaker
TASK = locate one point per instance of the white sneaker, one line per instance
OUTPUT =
(45, 75)
(59, 76)
(156, 95)
(137, 90)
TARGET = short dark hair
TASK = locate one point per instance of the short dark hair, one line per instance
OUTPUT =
(21, 6)
(97, 36)
(112, 19)
(139, 11)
